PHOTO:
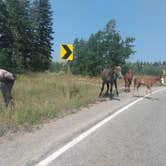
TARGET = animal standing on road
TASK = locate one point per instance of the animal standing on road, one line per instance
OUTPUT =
(128, 77)
(7, 80)
(109, 77)
(146, 81)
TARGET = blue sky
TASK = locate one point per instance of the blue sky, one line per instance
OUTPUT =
(143, 19)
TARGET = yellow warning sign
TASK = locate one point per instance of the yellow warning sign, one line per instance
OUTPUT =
(66, 51)
(164, 72)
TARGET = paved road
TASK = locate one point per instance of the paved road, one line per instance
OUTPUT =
(136, 137)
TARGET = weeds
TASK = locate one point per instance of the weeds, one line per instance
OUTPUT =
(43, 96)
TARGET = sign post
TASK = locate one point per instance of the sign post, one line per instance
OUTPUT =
(66, 52)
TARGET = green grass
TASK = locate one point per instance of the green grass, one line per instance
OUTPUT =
(39, 97)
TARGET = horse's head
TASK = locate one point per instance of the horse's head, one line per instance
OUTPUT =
(118, 72)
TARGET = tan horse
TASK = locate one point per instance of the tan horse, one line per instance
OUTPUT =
(146, 81)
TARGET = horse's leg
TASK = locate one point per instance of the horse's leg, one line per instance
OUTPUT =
(150, 90)
(111, 88)
(102, 88)
(125, 85)
(10, 86)
(5, 93)
(138, 89)
(129, 86)
(135, 85)
(115, 83)
(147, 88)
(107, 89)
(134, 89)
(146, 91)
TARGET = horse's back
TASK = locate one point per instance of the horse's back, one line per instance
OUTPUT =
(128, 77)
(6, 75)
(146, 80)
(106, 75)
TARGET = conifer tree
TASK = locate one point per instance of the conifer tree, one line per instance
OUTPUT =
(5, 38)
(21, 37)
(41, 12)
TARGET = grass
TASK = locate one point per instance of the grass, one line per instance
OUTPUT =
(39, 97)
(43, 96)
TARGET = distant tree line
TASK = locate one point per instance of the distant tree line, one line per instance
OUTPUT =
(145, 68)
(139, 68)
(102, 49)
(25, 35)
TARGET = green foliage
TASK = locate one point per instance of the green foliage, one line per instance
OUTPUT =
(143, 68)
(45, 97)
(102, 49)
(41, 12)
(6, 38)
(57, 67)
(25, 38)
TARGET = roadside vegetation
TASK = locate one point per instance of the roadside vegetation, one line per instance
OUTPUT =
(39, 97)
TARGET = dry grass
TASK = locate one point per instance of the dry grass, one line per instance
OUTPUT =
(42, 96)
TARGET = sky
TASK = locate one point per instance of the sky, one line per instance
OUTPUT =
(145, 20)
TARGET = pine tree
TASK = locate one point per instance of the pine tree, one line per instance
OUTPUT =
(42, 22)
(20, 26)
(5, 38)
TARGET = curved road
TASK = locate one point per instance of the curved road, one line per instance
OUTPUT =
(136, 137)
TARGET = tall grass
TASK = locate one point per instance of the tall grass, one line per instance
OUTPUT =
(42, 96)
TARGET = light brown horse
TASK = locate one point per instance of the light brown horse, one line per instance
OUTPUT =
(146, 81)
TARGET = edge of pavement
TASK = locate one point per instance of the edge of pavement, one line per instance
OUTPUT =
(29, 148)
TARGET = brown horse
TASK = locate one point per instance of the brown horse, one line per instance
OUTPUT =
(128, 77)
(146, 81)
(109, 76)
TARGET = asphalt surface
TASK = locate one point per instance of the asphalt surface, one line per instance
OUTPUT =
(136, 137)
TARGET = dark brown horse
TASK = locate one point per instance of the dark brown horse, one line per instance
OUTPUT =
(109, 77)
(7, 80)
(128, 77)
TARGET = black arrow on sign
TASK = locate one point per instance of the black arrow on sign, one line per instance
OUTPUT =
(68, 51)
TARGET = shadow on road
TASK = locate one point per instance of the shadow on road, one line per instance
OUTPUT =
(152, 98)
(110, 97)
(148, 98)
